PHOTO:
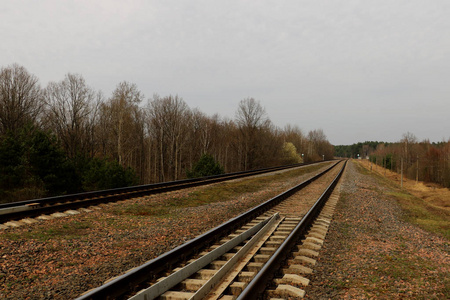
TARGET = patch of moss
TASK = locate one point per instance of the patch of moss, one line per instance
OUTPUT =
(70, 230)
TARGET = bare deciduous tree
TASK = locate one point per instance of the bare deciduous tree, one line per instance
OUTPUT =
(319, 147)
(20, 98)
(169, 121)
(408, 140)
(294, 135)
(251, 117)
(122, 124)
(72, 108)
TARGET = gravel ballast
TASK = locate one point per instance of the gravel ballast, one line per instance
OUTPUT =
(370, 252)
(64, 257)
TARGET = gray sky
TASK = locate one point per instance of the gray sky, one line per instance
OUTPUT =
(359, 70)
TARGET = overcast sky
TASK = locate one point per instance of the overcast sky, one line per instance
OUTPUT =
(359, 70)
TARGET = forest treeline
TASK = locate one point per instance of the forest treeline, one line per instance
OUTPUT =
(68, 137)
(424, 161)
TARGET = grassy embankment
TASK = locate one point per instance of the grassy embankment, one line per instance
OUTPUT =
(426, 204)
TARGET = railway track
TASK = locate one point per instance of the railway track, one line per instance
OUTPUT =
(263, 253)
(24, 210)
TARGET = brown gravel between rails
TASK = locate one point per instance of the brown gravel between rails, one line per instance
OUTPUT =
(64, 257)
(371, 253)
(298, 204)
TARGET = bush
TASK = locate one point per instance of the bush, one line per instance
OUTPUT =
(101, 174)
(290, 155)
(206, 166)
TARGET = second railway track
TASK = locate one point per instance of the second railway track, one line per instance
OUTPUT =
(33, 208)
(248, 257)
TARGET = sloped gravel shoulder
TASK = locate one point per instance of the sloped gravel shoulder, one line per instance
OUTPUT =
(371, 253)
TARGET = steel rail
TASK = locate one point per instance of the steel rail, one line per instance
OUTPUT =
(170, 281)
(132, 280)
(257, 286)
(74, 201)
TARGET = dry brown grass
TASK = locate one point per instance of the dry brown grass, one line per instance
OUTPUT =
(427, 204)
(431, 193)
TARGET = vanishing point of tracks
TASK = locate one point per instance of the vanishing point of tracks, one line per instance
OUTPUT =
(265, 253)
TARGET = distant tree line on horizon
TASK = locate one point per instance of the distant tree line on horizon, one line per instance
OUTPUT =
(68, 137)
(424, 161)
